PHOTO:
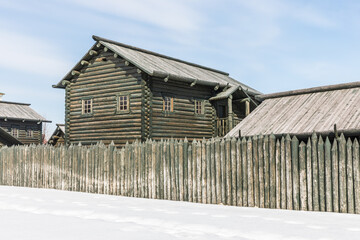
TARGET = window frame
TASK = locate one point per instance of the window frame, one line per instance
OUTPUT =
(29, 130)
(123, 111)
(17, 128)
(171, 104)
(83, 102)
(202, 107)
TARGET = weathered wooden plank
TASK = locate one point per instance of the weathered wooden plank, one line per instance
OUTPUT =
(142, 164)
(181, 171)
(256, 171)
(261, 171)
(302, 177)
(295, 172)
(198, 172)
(251, 202)
(218, 171)
(161, 170)
(278, 174)
(349, 177)
(233, 173)
(283, 174)
(266, 151)
(342, 175)
(321, 159)
(203, 172)
(213, 171)
(315, 172)
(154, 171)
(168, 171)
(190, 174)
(309, 175)
(223, 171)
(208, 172)
(289, 180)
(356, 164)
(194, 171)
(228, 172)
(335, 175)
(272, 149)
(244, 171)
(328, 181)
(186, 169)
(239, 176)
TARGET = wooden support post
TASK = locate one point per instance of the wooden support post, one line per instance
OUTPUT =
(247, 108)
(230, 113)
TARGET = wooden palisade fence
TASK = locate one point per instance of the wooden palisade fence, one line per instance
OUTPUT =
(257, 172)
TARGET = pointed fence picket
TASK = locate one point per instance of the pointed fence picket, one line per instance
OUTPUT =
(262, 171)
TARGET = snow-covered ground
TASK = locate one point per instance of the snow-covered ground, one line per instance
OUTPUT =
(27, 213)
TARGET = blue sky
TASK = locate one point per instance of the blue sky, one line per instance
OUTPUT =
(271, 45)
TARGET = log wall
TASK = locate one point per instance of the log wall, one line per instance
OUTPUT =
(182, 122)
(23, 126)
(102, 80)
(265, 172)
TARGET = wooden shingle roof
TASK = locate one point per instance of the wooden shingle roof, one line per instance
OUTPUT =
(305, 111)
(163, 66)
(19, 111)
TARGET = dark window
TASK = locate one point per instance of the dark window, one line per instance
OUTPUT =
(221, 111)
(29, 132)
(15, 130)
(123, 103)
(168, 104)
(87, 106)
(199, 107)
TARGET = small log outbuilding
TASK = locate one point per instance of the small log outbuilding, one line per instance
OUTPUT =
(58, 136)
(329, 110)
(121, 93)
(20, 124)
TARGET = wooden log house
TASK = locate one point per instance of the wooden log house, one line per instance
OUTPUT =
(19, 124)
(121, 93)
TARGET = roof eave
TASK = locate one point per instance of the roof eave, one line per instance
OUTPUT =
(309, 90)
(26, 119)
(77, 66)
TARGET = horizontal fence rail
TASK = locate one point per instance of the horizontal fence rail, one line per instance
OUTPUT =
(261, 171)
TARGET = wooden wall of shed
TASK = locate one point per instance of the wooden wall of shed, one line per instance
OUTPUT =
(23, 126)
(103, 81)
(182, 122)
(238, 108)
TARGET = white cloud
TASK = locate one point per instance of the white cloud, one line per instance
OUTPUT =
(169, 14)
(30, 54)
(322, 72)
(280, 10)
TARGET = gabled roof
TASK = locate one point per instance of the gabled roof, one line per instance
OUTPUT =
(19, 111)
(305, 111)
(8, 139)
(163, 66)
(58, 133)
